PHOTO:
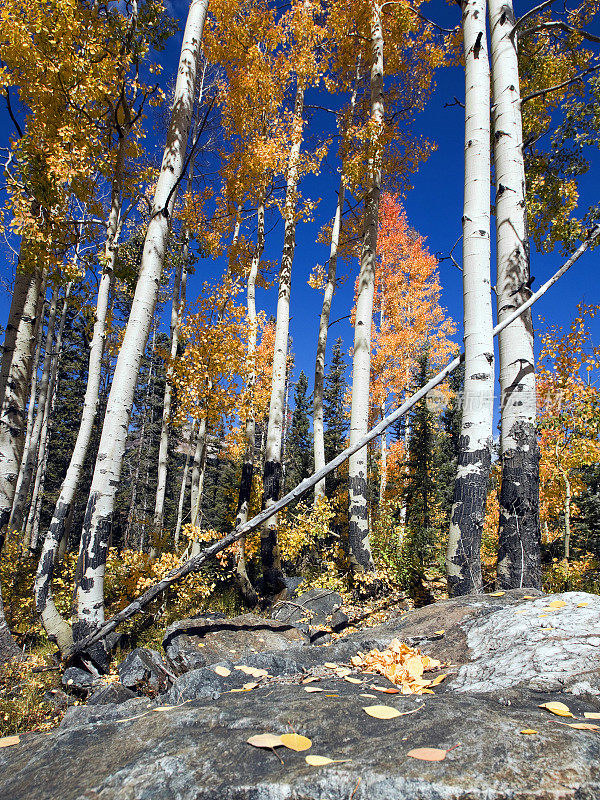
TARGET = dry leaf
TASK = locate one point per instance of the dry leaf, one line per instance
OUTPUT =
(352, 680)
(428, 753)
(591, 715)
(560, 709)
(528, 731)
(248, 686)
(582, 726)
(163, 708)
(256, 673)
(384, 689)
(9, 741)
(493, 594)
(438, 680)
(439, 633)
(528, 597)
(581, 605)
(330, 665)
(268, 740)
(318, 761)
(521, 611)
(293, 741)
(223, 672)
(382, 712)
(365, 694)
(310, 679)
(343, 671)
(313, 689)
(557, 604)
(331, 695)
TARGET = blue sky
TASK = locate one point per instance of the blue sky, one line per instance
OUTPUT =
(434, 208)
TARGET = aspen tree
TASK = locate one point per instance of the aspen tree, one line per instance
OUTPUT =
(474, 459)
(358, 523)
(519, 559)
(96, 530)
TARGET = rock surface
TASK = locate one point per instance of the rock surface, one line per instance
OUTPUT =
(145, 669)
(193, 643)
(311, 612)
(190, 744)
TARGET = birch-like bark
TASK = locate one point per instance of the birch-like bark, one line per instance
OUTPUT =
(183, 487)
(519, 548)
(29, 457)
(198, 466)
(470, 488)
(33, 382)
(100, 506)
(567, 504)
(56, 627)
(358, 523)
(241, 571)
(35, 503)
(270, 555)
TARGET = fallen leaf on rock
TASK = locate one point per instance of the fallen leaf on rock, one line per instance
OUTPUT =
(293, 741)
(313, 689)
(268, 740)
(557, 604)
(591, 715)
(331, 695)
(163, 708)
(365, 694)
(438, 680)
(385, 689)
(352, 680)
(400, 664)
(496, 594)
(528, 731)
(582, 726)
(560, 709)
(428, 753)
(581, 605)
(256, 673)
(223, 672)
(310, 679)
(528, 597)
(382, 712)
(343, 671)
(521, 611)
(439, 633)
(330, 665)
(9, 741)
(323, 761)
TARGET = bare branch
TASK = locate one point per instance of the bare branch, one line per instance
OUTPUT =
(559, 26)
(531, 13)
(577, 79)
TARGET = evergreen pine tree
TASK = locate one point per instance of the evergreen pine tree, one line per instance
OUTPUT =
(334, 417)
(446, 451)
(299, 440)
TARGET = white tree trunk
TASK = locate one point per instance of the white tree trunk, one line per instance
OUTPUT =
(358, 523)
(198, 473)
(470, 488)
(29, 457)
(98, 517)
(34, 506)
(250, 429)
(270, 556)
(183, 487)
(519, 558)
(56, 627)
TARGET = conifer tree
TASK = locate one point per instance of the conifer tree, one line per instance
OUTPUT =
(299, 441)
(335, 417)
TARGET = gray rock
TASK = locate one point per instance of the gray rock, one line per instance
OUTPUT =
(144, 669)
(200, 641)
(314, 607)
(79, 680)
(111, 693)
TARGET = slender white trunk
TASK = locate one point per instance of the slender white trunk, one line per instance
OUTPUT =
(198, 473)
(55, 626)
(270, 556)
(358, 523)
(383, 460)
(29, 457)
(250, 429)
(99, 511)
(34, 371)
(519, 559)
(34, 506)
(183, 488)
(470, 488)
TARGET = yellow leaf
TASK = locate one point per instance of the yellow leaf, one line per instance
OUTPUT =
(223, 672)
(528, 597)
(521, 611)
(439, 633)
(496, 594)
(330, 665)
(582, 726)
(268, 740)
(560, 709)
(591, 715)
(352, 680)
(528, 731)
(438, 680)
(310, 679)
(366, 694)
(385, 689)
(323, 761)
(343, 671)
(427, 754)
(293, 741)
(557, 604)
(313, 689)
(581, 605)
(9, 741)
(381, 712)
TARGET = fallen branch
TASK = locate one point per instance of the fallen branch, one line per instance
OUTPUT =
(194, 564)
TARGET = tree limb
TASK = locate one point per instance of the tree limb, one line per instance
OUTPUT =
(577, 79)
(194, 564)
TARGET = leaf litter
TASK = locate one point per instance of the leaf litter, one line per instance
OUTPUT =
(400, 664)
